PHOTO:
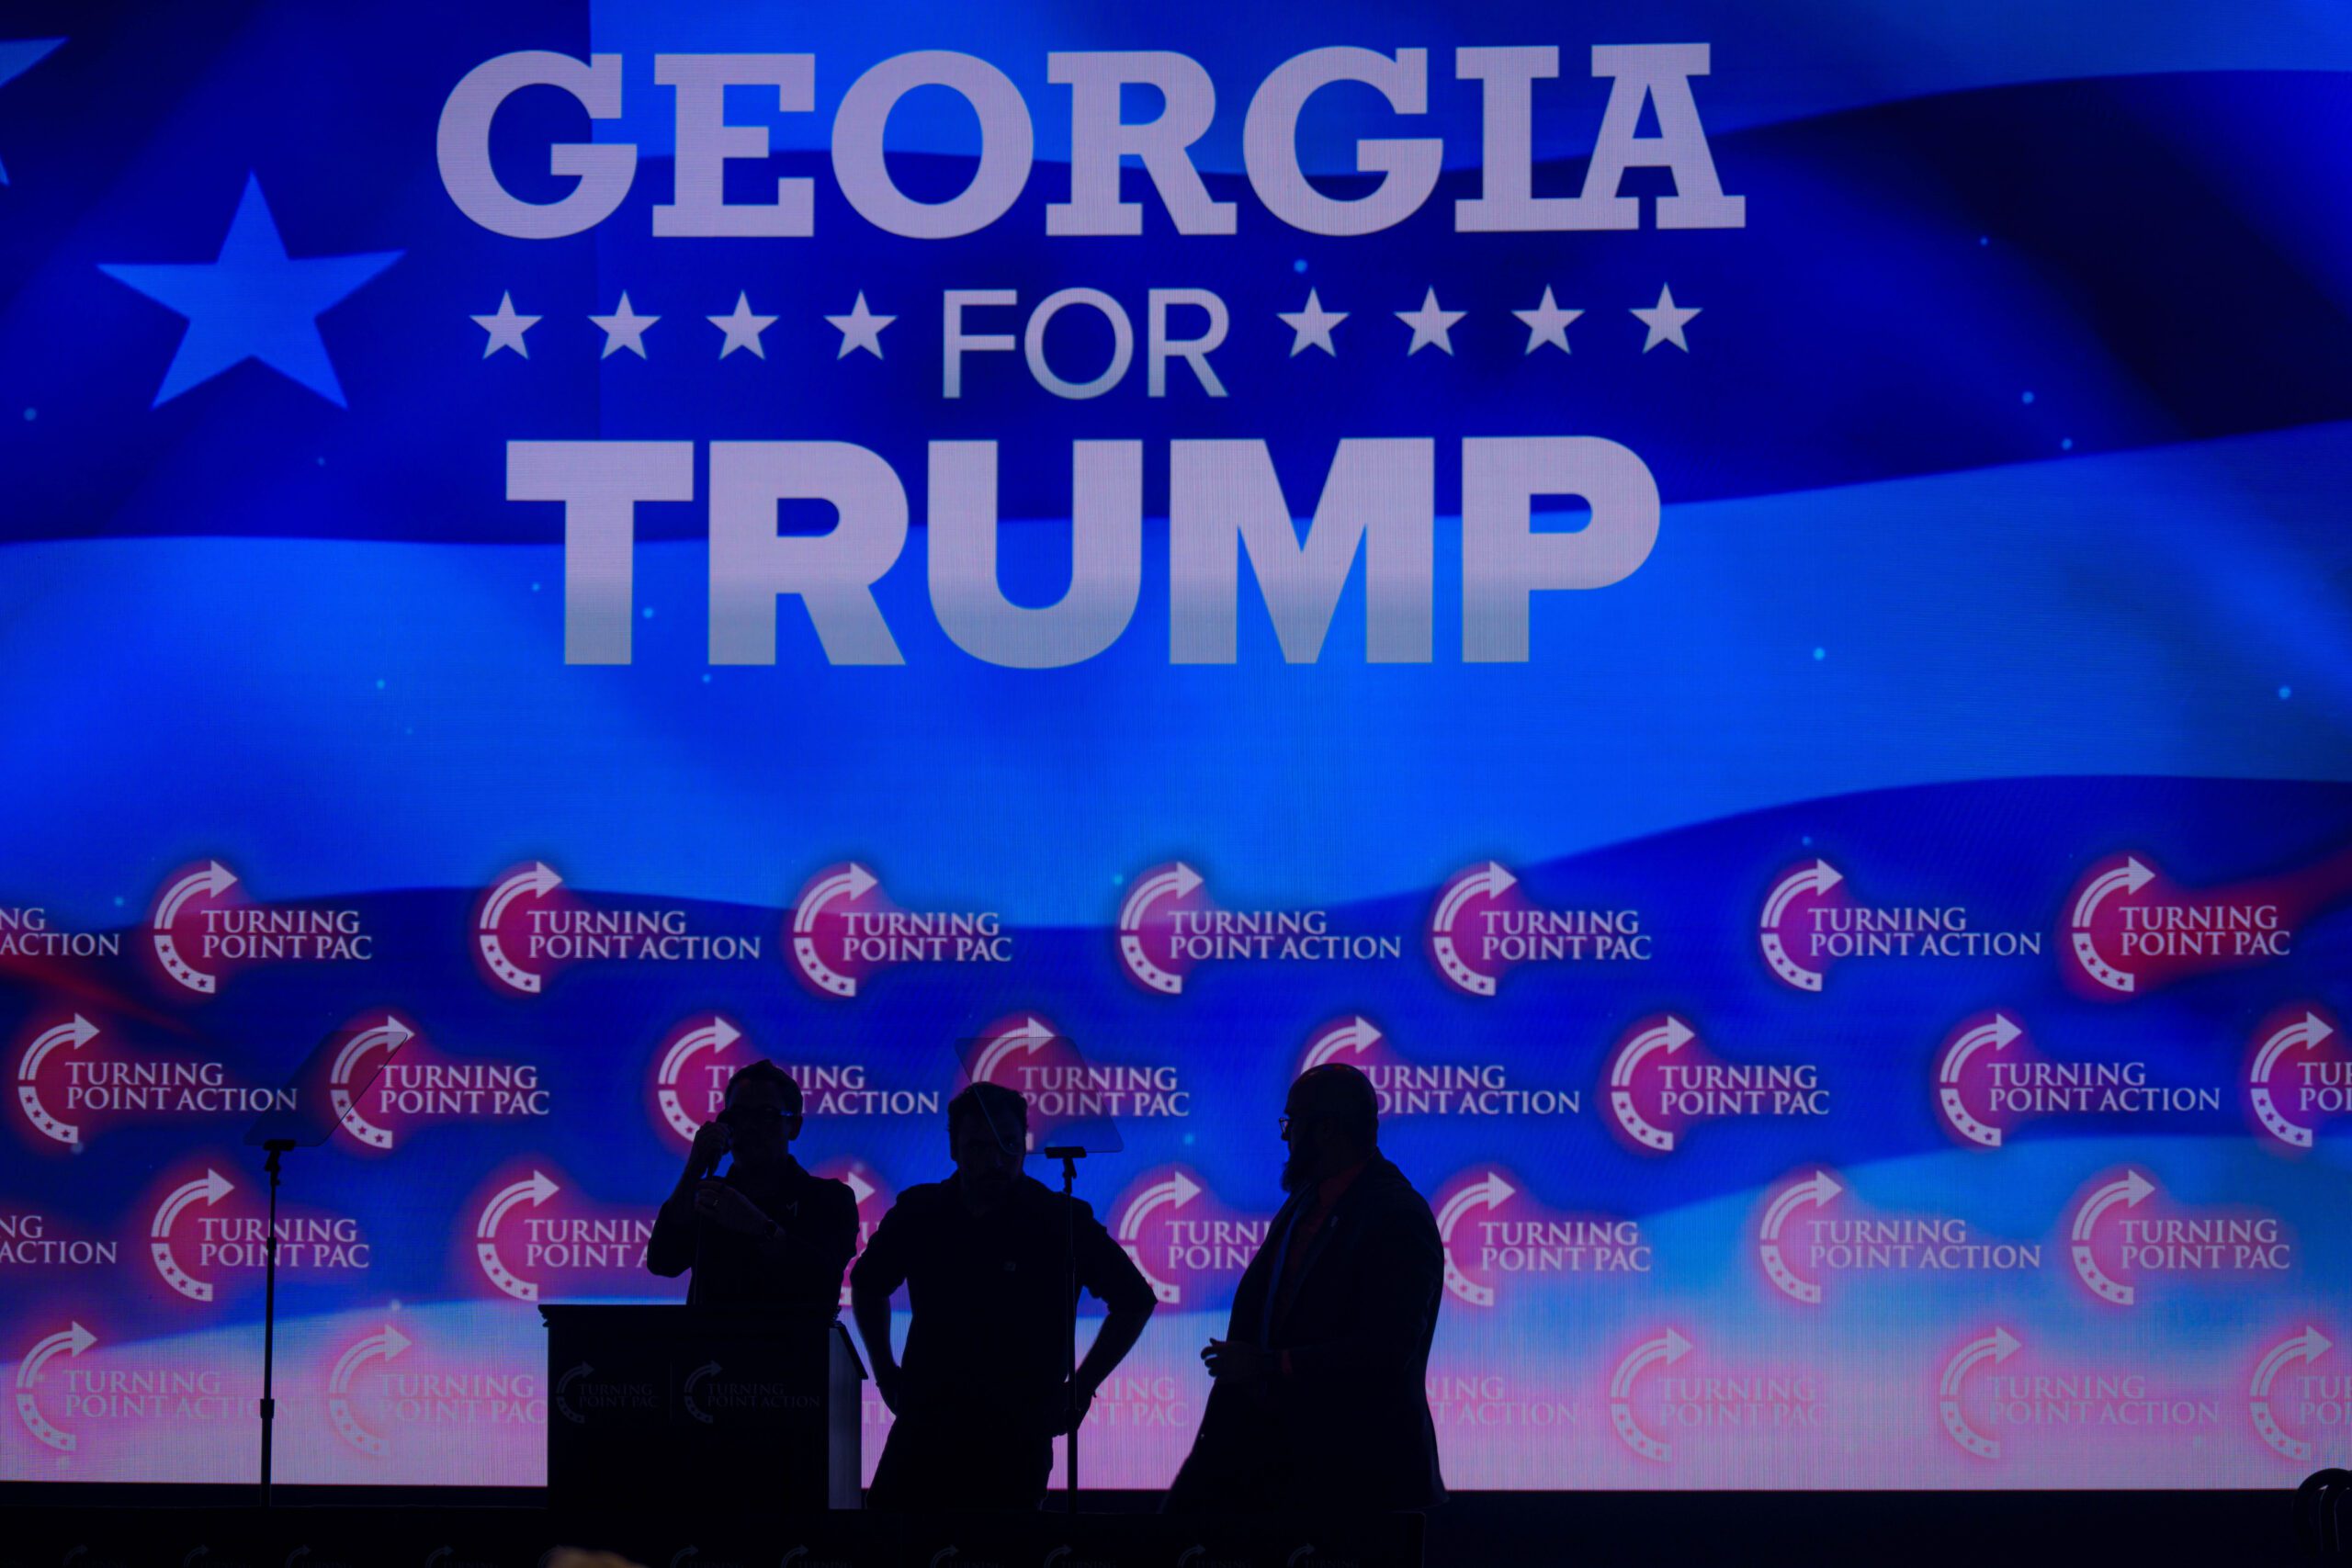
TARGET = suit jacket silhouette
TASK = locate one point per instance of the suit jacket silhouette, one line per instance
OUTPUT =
(1351, 1420)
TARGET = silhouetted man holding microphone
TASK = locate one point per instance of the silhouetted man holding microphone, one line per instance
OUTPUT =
(1320, 1396)
(985, 1257)
(767, 1234)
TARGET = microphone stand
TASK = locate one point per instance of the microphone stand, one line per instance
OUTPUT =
(276, 1148)
(1069, 1154)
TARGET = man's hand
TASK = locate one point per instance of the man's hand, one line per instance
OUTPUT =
(1072, 1402)
(890, 1384)
(724, 1207)
(1238, 1358)
(712, 1139)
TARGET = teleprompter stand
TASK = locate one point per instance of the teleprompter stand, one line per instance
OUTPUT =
(324, 1094)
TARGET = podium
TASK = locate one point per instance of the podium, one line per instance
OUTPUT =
(675, 1401)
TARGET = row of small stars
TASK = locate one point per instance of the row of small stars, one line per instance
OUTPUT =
(1310, 325)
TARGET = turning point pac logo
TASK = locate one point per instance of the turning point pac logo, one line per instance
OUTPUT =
(1025, 1053)
(2129, 930)
(844, 928)
(1665, 1349)
(386, 1343)
(1483, 923)
(2106, 1255)
(236, 1242)
(201, 928)
(71, 1340)
(209, 1189)
(1490, 1229)
(1167, 926)
(1657, 1091)
(416, 1085)
(1182, 1236)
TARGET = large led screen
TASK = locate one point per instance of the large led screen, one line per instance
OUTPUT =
(1747, 606)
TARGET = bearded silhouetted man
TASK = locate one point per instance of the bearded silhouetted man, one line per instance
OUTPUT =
(1320, 1396)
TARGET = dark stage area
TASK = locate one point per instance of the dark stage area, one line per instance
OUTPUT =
(324, 1528)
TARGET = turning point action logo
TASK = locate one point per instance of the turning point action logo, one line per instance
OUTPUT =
(200, 931)
(2068, 1403)
(1483, 923)
(1984, 1088)
(2220, 1244)
(1656, 1092)
(599, 1250)
(70, 1083)
(1797, 1248)
(1167, 925)
(697, 1057)
(1996, 1346)
(1436, 1088)
(1807, 923)
(525, 926)
(71, 1340)
(845, 928)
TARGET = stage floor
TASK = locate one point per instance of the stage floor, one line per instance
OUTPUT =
(98, 1526)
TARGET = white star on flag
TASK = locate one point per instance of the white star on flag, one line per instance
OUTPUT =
(1431, 324)
(860, 329)
(1311, 326)
(506, 328)
(1547, 323)
(624, 329)
(1665, 320)
(742, 328)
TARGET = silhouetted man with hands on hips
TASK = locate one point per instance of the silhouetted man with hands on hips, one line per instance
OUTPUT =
(767, 1234)
(1319, 1397)
(985, 1257)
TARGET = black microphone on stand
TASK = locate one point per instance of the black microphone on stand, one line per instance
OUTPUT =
(1069, 1154)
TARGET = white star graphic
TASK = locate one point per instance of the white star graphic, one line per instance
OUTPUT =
(860, 329)
(1665, 320)
(742, 328)
(1547, 323)
(624, 329)
(506, 329)
(1429, 324)
(1311, 326)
